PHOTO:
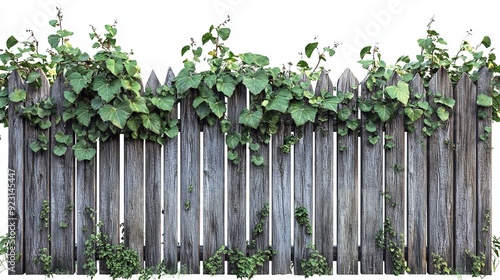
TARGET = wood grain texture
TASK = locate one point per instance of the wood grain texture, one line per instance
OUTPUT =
(109, 192)
(395, 176)
(441, 179)
(152, 250)
(417, 188)
(37, 186)
(85, 208)
(18, 147)
(465, 172)
(213, 189)
(347, 186)
(190, 185)
(281, 201)
(303, 182)
(324, 178)
(62, 191)
(236, 178)
(372, 186)
(484, 175)
(170, 191)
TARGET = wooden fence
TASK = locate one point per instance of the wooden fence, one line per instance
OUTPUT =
(440, 192)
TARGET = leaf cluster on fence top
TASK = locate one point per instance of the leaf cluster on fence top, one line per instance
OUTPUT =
(104, 95)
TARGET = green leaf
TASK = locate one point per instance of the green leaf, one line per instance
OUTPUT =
(78, 82)
(185, 49)
(366, 105)
(256, 82)
(3, 102)
(107, 91)
(83, 114)
(226, 85)
(251, 118)
(186, 80)
(223, 32)
(302, 113)
(18, 95)
(33, 76)
(152, 122)
(383, 111)
(114, 66)
(344, 113)
(63, 138)
(443, 114)
(53, 22)
(207, 37)
(364, 51)
(138, 105)
(116, 115)
(225, 125)
(280, 101)
(218, 108)
(370, 127)
(373, 139)
(486, 42)
(11, 41)
(400, 92)
(35, 146)
(233, 140)
(70, 96)
(59, 150)
(54, 40)
(254, 146)
(82, 151)
(257, 160)
(44, 124)
(413, 114)
(165, 103)
(330, 103)
(173, 130)
(309, 49)
(484, 100)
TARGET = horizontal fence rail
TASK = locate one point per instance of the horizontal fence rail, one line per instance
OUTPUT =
(181, 201)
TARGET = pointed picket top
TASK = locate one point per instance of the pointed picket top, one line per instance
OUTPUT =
(170, 77)
(442, 80)
(304, 79)
(153, 83)
(464, 82)
(15, 81)
(324, 83)
(347, 82)
(417, 87)
(484, 81)
(34, 95)
(57, 92)
(394, 79)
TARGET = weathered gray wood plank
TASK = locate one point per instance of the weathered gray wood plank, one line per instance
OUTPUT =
(133, 195)
(303, 190)
(85, 208)
(347, 186)
(465, 172)
(372, 186)
(324, 179)
(109, 192)
(152, 250)
(395, 176)
(190, 184)
(236, 178)
(37, 187)
(281, 200)
(16, 162)
(441, 179)
(484, 175)
(417, 188)
(170, 191)
(62, 190)
(213, 189)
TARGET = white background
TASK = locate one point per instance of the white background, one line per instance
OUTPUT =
(157, 30)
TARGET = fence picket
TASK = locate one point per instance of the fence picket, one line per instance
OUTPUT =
(394, 176)
(441, 194)
(213, 189)
(37, 188)
(152, 250)
(62, 189)
(417, 188)
(190, 185)
(347, 185)
(170, 191)
(236, 178)
(303, 191)
(324, 179)
(16, 162)
(484, 173)
(372, 186)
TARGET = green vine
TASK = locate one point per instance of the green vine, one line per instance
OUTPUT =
(385, 240)
(440, 264)
(478, 262)
(315, 264)
(45, 260)
(302, 217)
